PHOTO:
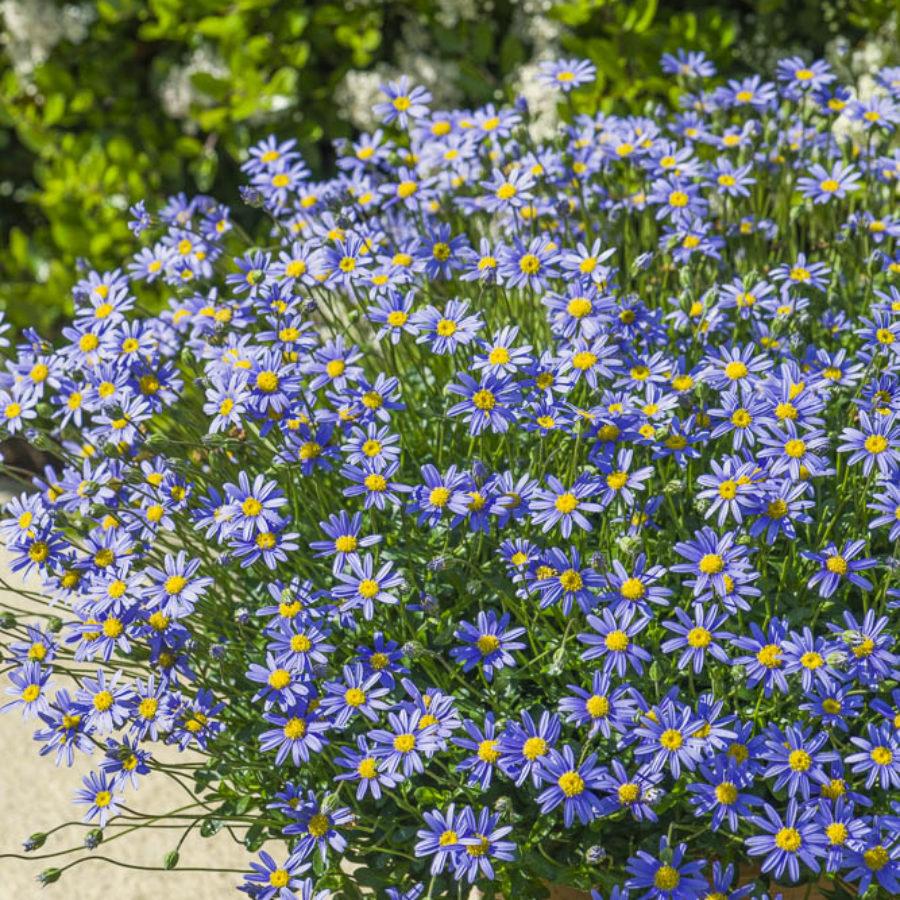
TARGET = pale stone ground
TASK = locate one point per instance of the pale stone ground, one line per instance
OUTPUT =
(36, 796)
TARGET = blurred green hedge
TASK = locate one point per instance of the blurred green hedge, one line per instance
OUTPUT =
(105, 102)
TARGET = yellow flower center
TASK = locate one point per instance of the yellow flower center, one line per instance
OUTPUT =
(484, 400)
(354, 697)
(318, 825)
(584, 360)
(726, 793)
(571, 581)
(699, 637)
(279, 878)
(174, 584)
(300, 643)
(597, 706)
(375, 482)
(666, 878)
(812, 660)
(267, 382)
(368, 588)
(112, 627)
(279, 679)
(335, 368)
(534, 748)
(728, 490)
(711, 564)
(788, 839)
(294, 729)
(529, 264)
(876, 443)
(736, 370)
(671, 739)
(834, 789)
(345, 543)
(404, 743)
(881, 756)
(487, 643)
(876, 858)
(578, 307)
(488, 752)
(31, 693)
(616, 641)
(571, 783)
(769, 656)
(103, 700)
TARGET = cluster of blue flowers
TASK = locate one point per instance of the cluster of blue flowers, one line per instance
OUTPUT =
(516, 511)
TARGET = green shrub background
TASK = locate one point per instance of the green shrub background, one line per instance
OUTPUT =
(106, 102)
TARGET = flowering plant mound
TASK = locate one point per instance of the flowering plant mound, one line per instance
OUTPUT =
(522, 512)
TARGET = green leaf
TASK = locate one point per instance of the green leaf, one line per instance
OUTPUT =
(54, 108)
(217, 88)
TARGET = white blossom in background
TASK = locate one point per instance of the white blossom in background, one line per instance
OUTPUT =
(542, 104)
(32, 28)
(451, 12)
(353, 95)
(177, 92)
(860, 65)
(414, 56)
(543, 34)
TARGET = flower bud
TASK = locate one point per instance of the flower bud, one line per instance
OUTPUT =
(94, 837)
(414, 649)
(48, 876)
(251, 196)
(35, 842)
